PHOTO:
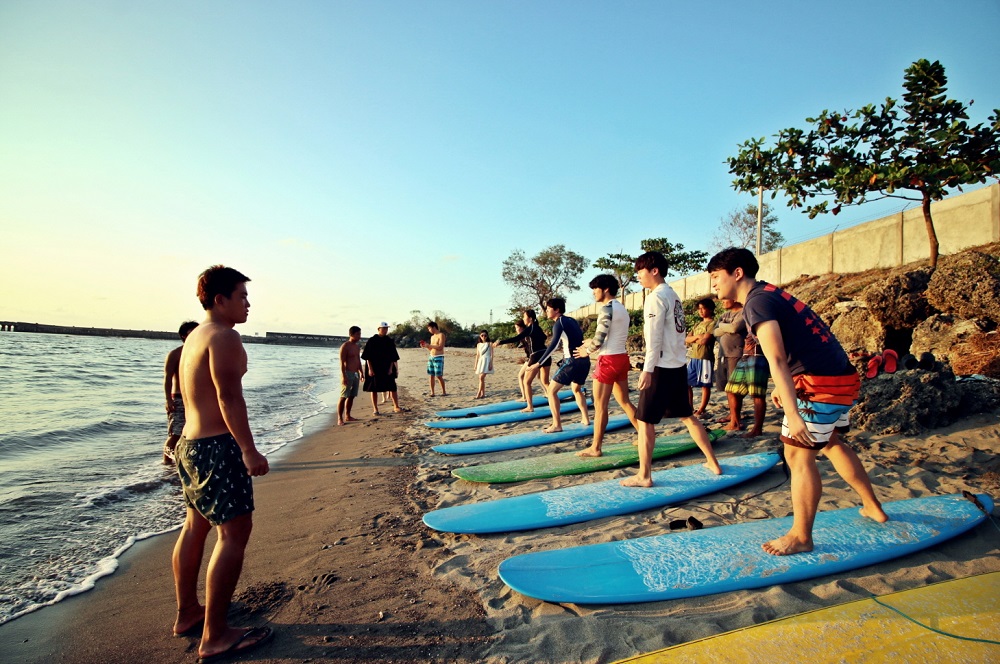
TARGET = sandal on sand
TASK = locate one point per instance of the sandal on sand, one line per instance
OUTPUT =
(873, 365)
(889, 360)
(259, 636)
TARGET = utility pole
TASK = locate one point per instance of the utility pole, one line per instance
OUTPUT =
(760, 216)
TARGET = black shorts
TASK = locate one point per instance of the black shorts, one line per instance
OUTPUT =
(214, 479)
(533, 358)
(666, 397)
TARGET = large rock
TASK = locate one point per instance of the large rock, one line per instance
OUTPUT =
(967, 285)
(910, 402)
(900, 301)
(857, 330)
(978, 354)
(941, 334)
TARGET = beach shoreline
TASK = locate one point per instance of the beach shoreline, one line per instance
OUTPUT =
(342, 568)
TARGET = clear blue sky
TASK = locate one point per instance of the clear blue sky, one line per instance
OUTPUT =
(360, 160)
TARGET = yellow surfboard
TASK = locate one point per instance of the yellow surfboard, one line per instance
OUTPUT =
(866, 631)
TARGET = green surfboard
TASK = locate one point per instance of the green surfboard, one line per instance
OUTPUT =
(568, 463)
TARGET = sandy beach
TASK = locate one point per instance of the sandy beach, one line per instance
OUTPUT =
(342, 568)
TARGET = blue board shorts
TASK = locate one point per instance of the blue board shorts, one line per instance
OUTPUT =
(699, 373)
(214, 478)
(573, 370)
(435, 365)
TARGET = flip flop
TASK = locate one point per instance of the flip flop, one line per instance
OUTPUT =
(264, 635)
(889, 360)
(873, 365)
(908, 362)
(927, 362)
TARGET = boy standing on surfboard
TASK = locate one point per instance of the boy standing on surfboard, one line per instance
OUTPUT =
(663, 384)
(814, 383)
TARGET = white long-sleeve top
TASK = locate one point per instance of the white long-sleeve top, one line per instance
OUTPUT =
(663, 329)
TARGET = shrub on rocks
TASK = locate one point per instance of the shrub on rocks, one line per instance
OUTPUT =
(967, 285)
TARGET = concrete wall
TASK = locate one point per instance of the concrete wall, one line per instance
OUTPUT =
(963, 221)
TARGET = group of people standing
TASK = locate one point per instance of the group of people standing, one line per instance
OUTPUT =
(815, 386)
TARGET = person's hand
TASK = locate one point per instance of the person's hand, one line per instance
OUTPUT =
(256, 463)
(797, 429)
(645, 380)
(776, 399)
(170, 406)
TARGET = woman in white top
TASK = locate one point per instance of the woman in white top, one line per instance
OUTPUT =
(484, 361)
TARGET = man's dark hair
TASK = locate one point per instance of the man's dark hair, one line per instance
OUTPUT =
(606, 282)
(708, 302)
(431, 323)
(218, 280)
(651, 259)
(185, 329)
(354, 328)
(732, 258)
(557, 303)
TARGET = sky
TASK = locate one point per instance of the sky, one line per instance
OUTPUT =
(360, 161)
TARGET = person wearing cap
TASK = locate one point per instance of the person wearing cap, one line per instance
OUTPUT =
(381, 367)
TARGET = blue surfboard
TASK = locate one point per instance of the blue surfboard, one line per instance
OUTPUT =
(584, 502)
(727, 558)
(500, 406)
(516, 441)
(508, 417)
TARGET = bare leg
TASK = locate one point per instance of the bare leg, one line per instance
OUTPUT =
(848, 465)
(735, 402)
(647, 438)
(706, 392)
(482, 387)
(759, 408)
(553, 394)
(602, 394)
(340, 411)
(347, 410)
(807, 487)
(224, 570)
(581, 403)
(545, 376)
(375, 403)
(525, 392)
(187, 557)
(432, 385)
(444, 392)
(700, 437)
(529, 377)
(394, 395)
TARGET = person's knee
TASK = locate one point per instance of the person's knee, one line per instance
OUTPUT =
(237, 530)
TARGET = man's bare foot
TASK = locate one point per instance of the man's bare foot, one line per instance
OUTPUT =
(637, 481)
(340, 422)
(733, 427)
(874, 513)
(375, 413)
(787, 545)
(444, 394)
(351, 419)
(714, 467)
(753, 433)
(723, 420)
(398, 410)
(527, 410)
(698, 413)
(551, 429)
(238, 640)
(190, 622)
(589, 452)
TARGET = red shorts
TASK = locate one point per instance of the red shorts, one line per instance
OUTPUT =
(612, 368)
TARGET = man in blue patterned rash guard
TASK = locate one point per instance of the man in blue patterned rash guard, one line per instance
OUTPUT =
(572, 370)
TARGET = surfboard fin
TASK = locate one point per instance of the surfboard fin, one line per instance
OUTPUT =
(971, 497)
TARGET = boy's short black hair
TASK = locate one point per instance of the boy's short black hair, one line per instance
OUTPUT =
(557, 303)
(651, 259)
(606, 282)
(708, 302)
(732, 258)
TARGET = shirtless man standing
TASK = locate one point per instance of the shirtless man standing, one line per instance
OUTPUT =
(350, 375)
(435, 362)
(216, 457)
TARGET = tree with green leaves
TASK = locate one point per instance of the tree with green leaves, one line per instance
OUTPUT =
(620, 265)
(927, 151)
(739, 229)
(553, 272)
(680, 261)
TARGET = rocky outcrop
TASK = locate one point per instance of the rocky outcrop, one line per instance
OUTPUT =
(899, 301)
(967, 285)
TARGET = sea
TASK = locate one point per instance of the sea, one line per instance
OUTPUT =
(82, 426)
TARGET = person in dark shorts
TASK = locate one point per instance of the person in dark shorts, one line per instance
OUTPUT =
(663, 388)
(572, 371)
(534, 335)
(216, 459)
(381, 367)
(814, 383)
(172, 392)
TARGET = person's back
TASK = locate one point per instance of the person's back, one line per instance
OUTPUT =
(201, 396)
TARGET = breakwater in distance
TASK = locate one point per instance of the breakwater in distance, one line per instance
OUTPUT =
(276, 338)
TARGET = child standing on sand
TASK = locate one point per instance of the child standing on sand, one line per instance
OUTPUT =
(484, 361)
